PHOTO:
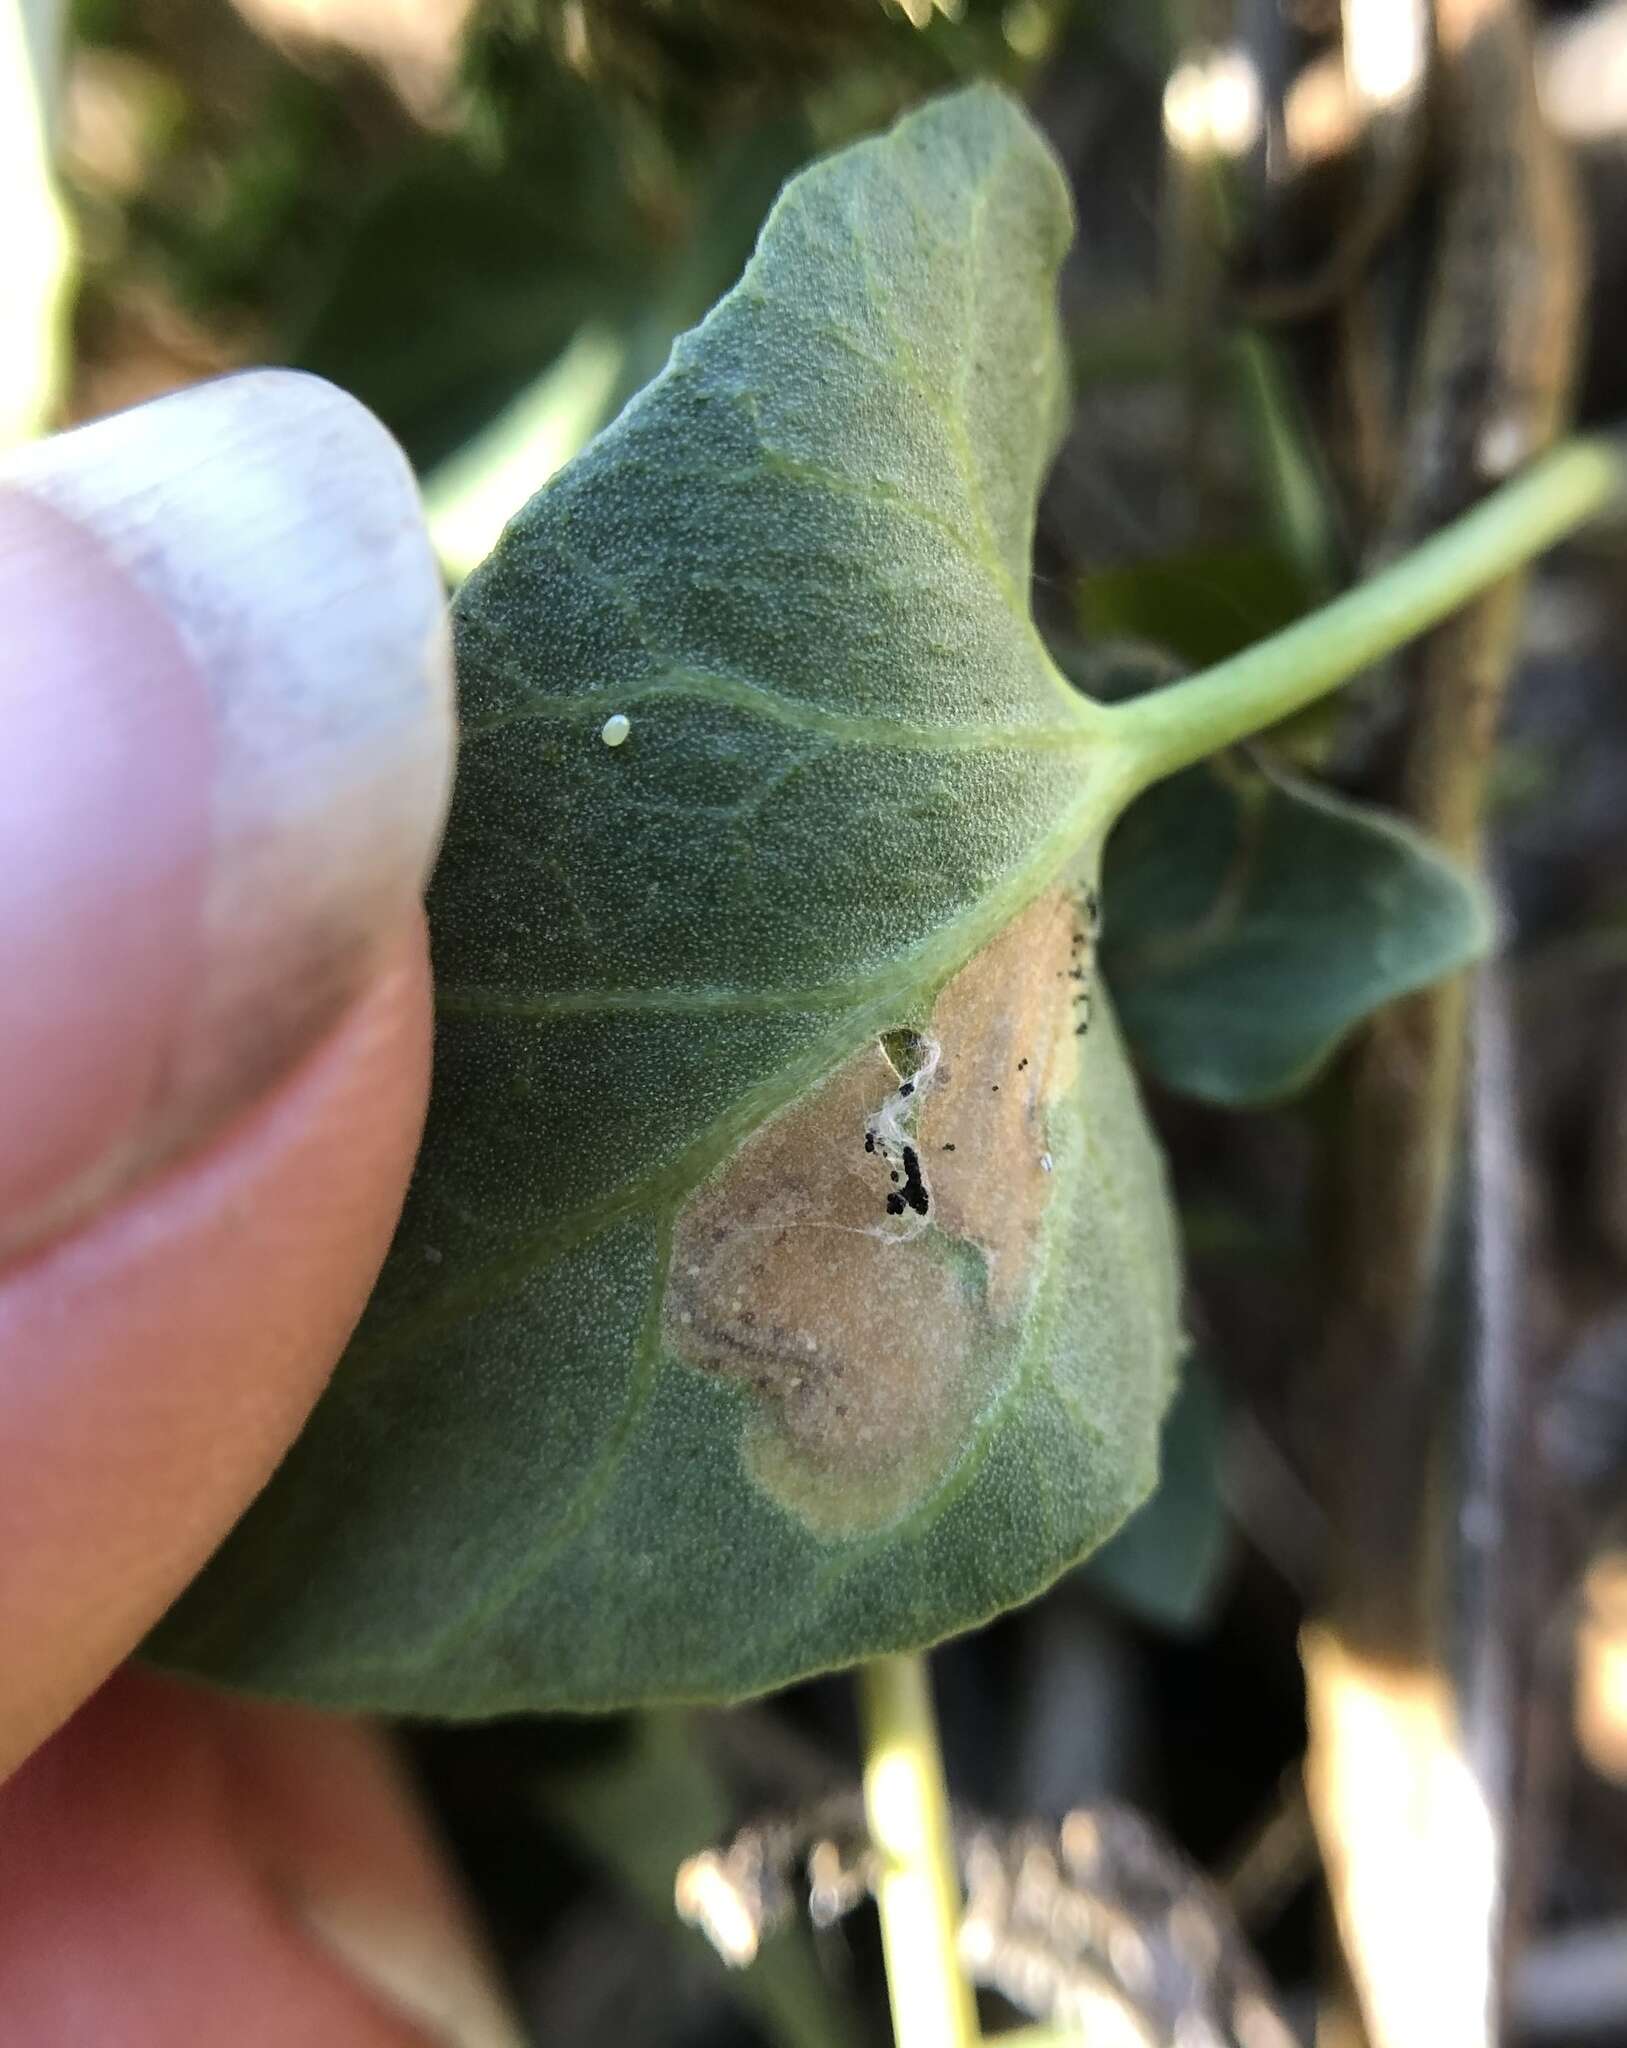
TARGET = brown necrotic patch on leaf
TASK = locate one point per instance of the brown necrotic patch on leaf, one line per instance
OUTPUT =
(1008, 1024)
(864, 1262)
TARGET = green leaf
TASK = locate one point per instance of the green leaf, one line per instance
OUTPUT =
(463, 277)
(670, 1389)
(1167, 1564)
(627, 329)
(469, 278)
(1256, 920)
(1200, 606)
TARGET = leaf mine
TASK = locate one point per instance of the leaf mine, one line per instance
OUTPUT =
(669, 1389)
(864, 1263)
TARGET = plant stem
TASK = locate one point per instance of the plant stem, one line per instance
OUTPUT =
(471, 497)
(36, 286)
(1172, 728)
(1292, 484)
(907, 1810)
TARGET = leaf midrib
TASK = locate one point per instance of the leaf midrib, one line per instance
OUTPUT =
(916, 974)
(672, 678)
(868, 1004)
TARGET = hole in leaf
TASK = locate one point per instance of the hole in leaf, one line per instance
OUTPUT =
(907, 1051)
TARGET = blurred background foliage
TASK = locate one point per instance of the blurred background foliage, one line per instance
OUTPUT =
(488, 221)
(446, 207)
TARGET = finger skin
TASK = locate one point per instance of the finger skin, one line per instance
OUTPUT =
(166, 1862)
(106, 771)
(226, 744)
(155, 1365)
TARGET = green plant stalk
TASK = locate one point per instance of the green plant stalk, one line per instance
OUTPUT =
(36, 287)
(907, 1811)
(1173, 728)
(1292, 484)
(470, 498)
(906, 1804)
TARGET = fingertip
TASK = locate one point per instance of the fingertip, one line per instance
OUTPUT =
(177, 1860)
(226, 740)
(155, 1365)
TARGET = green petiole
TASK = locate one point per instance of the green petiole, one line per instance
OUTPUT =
(1172, 728)
(907, 1812)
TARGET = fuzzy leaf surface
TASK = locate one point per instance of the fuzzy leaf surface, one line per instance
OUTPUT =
(710, 1353)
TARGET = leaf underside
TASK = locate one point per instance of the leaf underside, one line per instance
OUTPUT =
(1168, 1565)
(1257, 920)
(709, 1354)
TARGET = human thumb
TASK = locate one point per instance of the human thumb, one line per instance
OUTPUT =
(225, 745)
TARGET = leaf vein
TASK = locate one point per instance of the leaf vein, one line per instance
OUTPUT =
(796, 714)
(594, 1484)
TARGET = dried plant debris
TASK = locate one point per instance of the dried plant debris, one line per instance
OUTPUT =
(1101, 1923)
